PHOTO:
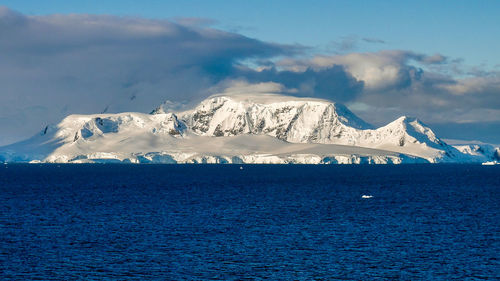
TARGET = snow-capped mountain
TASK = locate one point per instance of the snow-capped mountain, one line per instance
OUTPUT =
(259, 128)
(481, 152)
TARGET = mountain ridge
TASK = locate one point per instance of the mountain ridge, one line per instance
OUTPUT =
(224, 128)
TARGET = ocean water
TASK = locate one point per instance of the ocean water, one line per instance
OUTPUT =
(275, 222)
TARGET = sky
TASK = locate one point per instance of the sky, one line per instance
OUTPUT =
(435, 60)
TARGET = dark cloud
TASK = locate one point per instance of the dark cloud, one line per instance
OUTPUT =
(344, 44)
(195, 21)
(434, 59)
(351, 43)
(374, 40)
(89, 63)
(333, 83)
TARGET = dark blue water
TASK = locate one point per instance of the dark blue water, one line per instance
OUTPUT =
(164, 222)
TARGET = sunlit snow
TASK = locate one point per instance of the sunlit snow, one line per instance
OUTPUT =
(258, 128)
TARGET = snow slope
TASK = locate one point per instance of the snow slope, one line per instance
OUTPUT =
(259, 128)
(482, 152)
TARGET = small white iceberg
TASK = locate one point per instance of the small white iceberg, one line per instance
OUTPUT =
(366, 196)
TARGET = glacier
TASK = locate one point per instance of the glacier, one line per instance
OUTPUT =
(242, 128)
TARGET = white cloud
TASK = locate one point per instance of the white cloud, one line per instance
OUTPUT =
(239, 87)
(473, 85)
(377, 70)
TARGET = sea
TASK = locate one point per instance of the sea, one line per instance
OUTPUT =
(249, 222)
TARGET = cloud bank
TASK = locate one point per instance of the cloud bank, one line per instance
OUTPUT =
(55, 65)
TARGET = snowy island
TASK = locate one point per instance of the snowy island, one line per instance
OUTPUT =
(242, 128)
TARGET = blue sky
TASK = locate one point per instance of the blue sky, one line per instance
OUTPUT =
(460, 29)
(435, 60)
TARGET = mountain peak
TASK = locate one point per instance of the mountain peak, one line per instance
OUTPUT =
(293, 119)
(404, 119)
